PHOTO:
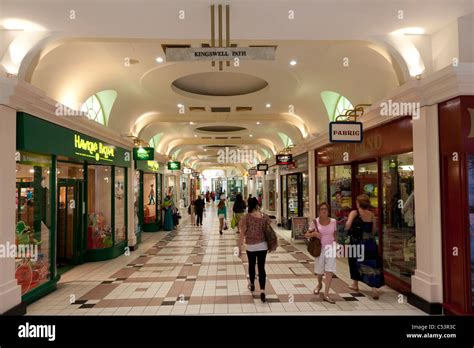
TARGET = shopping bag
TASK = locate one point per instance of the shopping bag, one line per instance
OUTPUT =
(233, 222)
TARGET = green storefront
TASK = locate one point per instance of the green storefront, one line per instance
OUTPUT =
(71, 202)
(149, 176)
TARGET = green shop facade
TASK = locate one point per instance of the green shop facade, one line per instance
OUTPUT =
(71, 202)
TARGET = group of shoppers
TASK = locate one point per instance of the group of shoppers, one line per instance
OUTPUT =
(364, 261)
(360, 225)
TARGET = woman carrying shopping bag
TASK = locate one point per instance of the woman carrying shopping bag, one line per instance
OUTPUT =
(222, 214)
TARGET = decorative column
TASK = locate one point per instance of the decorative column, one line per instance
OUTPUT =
(312, 184)
(427, 282)
(131, 177)
(10, 292)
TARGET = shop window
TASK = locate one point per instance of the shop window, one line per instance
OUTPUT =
(70, 171)
(471, 218)
(335, 103)
(271, 187)
(399, 242)
(120, 208)
(99, 195)
(98, 106)
(149, 198)
(305, 194)
(340, 184)
(33, 221)
(136, 202)
(322, 185)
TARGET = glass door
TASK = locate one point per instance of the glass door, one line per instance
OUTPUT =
(367, 183)
(293, 195)
(69, 227)
(151, 204)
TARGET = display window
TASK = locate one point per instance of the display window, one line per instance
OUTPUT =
(136, 203)
(292, 195)
(322, 185)
(305, 197)
(470, 168)
(149, 198)
(284, 202)
(99, 197)
(271, 188)
(33, 221)
(340, 185)
(399, 240)
(119, 209)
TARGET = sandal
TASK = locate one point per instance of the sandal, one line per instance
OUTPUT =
(352, 288)
(251, 287)
(375, 295)
(327, 299)
(318, 289)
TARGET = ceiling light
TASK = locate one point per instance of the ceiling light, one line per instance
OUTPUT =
(205, 150)
(159, 60)
(293, 62)
(180, 105)
(191, 123)
(268, 105)
(258, 122)
(410, 31)
(251, 135)
(195, 135)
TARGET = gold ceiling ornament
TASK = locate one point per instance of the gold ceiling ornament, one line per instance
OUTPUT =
(353, 114)
(219, 28)
(286, 150)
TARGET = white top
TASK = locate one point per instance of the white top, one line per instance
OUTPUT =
(257, 247)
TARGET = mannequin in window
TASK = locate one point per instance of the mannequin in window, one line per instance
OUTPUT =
(151, 196)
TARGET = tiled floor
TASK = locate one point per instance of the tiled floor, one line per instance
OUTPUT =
(194, 271)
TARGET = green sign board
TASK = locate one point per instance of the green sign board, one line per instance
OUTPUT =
(174, 165)
(148, 166)
(143, 153)
(40, 136)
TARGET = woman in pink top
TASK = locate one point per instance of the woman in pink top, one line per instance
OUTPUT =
(326, 262)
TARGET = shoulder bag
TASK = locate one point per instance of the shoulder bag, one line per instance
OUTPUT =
(270, 235)
(314, 245)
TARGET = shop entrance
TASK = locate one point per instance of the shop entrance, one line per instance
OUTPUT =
(70, 225)
(367, 182)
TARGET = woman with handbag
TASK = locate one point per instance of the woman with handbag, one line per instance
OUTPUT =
(324, 228)
(252, 228)
(367, 267)
(222, 214)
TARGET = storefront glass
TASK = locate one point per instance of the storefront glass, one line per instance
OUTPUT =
(136, 202)
(99, 198)
(340, 185)
(149, 198)
(33, 221)
(271, 187)
(367, 183)
(470, 164)
(120, 228)
(322, 185)
(284, 205)
(292, 195)
(399, 242)
(305, 194)
(70, 171)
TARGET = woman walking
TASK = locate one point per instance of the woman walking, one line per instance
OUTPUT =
(222, 214)
(252, 228)
(324, 228)
(168, 208)
(361, 226)
(238, 209)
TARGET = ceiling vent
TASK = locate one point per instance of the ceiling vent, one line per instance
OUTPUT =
(236, 137)
(206, 137)
(243, 108)
(220, 109)
(197, 108)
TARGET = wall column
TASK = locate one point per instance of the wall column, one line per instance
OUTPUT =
(312, 184)
(10, 292)
(427, 282)
(131, 177)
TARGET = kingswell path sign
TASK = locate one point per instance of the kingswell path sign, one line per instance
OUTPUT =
(219, 53)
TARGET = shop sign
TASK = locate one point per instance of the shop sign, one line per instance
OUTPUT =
(178, 54)
(252, 171)
(33, 159)
(262, 167)
(174, 165)
(284, 159)
(93, 149)
(187, 171)
(346, 132)
(143, 153)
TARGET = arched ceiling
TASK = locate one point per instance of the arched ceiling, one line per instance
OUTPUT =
(338, 46)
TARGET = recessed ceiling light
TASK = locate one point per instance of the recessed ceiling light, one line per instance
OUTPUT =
(293, 62)
(191, 122)
(251, 135)
(180, 105)
(195, 135)
(268, 105)
(258, 122)
(159, 60)
(205, 150)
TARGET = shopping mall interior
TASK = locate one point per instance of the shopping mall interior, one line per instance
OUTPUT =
(124, 123)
